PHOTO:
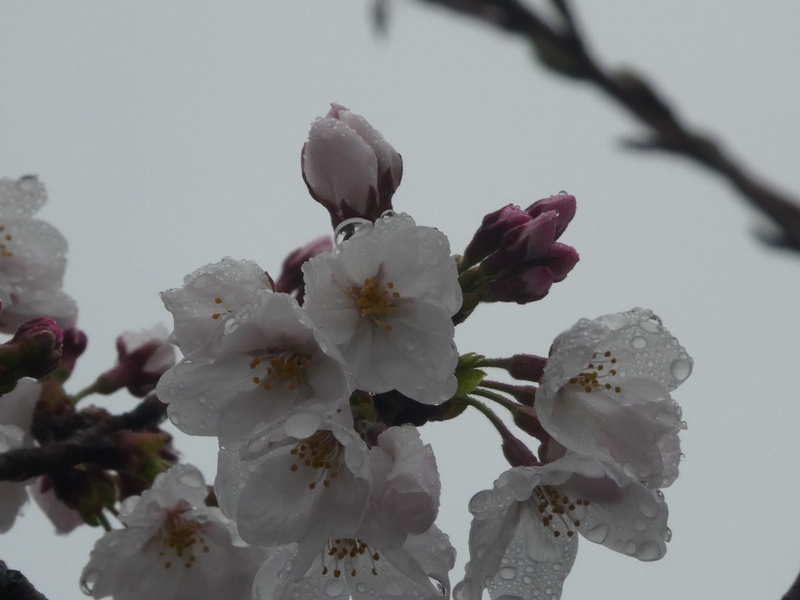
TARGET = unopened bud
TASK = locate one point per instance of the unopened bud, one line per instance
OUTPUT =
(525, 418)
(349, 167)
(564, 205)
(487, 238)
(34, 351)
(518, 454)
(291, 277)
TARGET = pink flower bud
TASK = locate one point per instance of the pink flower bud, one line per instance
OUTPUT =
(349, 167)
(487, 238)
(563, 204)
(291, 277)
(530, 240)
(40, 343)
(523, 284)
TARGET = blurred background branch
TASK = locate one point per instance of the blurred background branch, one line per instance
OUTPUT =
(561, 47)
(15, 586)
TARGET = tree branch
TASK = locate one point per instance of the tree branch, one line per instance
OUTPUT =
(794, 591)
(561, 48)
(96, 444)
(15, 586)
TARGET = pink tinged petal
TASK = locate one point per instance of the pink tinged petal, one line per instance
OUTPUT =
(564, 205)
(21, 198)
(387, 156)
(339, 166)
(530, 240)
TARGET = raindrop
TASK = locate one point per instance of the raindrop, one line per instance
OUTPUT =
(346, 229)
(440, 587)
(507, 573)
(597, 534)
(88, 582)
(647, 507)
(630, 548)
(387, 214)
(660, 494)
(176, 419)
(666, 534)
(562, 192)
(527, 579)
(649, 550)
(410, 344)
(556, 566)
(361, 587)
(638, 342)
(192, 479)
(334, 587)
(681, 368)
(202, 398)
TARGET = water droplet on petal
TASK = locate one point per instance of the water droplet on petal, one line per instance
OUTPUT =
(649, 550)
(681, 368)
(361, 587)
(630, 548)
(388, 214)
(648, 507)
(192, 478)
(556, 566)
(345, 230)
(440, 587)
(507, 573)
(666, 534)
(202, 398)
(597, 534)
(88, 582)
(334, 587)
(176, 419)
(638, 342)
(660, 494)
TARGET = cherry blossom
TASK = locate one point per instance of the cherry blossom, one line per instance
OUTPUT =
(302, 480)
(386, 299)
(606, 393)
(32, 259)
(350, 568)
(523, 538)
(172, 548)
(209, 296)
(265, 361)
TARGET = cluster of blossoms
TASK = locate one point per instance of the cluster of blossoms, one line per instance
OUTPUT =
(315, 385)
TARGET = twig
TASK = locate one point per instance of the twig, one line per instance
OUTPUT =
(95, 444)
(15, 586)
(794, 591)
(561, 48)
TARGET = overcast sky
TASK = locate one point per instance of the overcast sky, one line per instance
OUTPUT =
(169, 135)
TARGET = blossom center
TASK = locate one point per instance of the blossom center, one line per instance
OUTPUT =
(217, 315)
(603, 366)
(178, 537)
(320, 453)
(375, 300)
(345, 553)
(557, 510)
(281, 367)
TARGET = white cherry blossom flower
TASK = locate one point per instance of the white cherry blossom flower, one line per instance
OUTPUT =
(209, 296)
(386, 299)
(32, 259)
(265, 361)
(606, 393)
(172, 548)
(405, 488)
(303, 480)
(350, 568)
(523, 538)
(16, 415)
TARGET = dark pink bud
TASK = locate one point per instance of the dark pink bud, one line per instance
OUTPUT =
(523, 284)
(291, 277)
(527, 367)
(34, 351)
(487, 238)
(563, 204)
(525, 418)
(142, 358)
(530, 240)
(517, 453)
(561, 259)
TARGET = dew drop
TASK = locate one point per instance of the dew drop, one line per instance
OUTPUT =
(202, 398)
(176, 419)
(647, 507)
(507, 573)
(597, 534)
(410, 344)
(666, 534)
(334, 587)
(88, 582)
(638, 342)
(562, 192)
(345, 230)
(527, 579)
(630, 548)
(556, 566)
(388, 214)
(440, 586)
(660, 494)
(649, 550)
(361, 587)
(681, 368)
(192, 479)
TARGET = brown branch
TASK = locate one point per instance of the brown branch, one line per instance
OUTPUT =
(561, 48)
(15, 586)
(96, 444)
(794, 591)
